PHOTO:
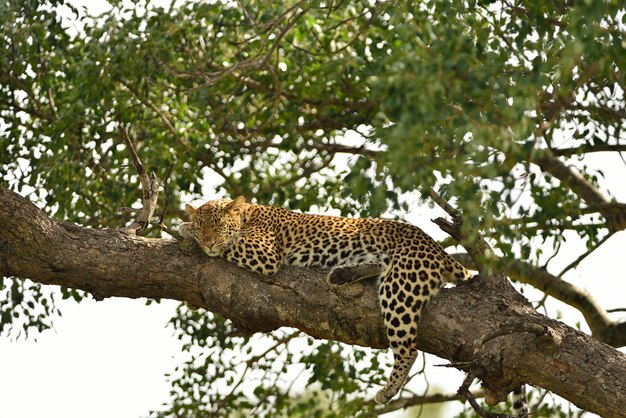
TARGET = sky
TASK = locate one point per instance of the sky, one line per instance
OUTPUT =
(110, 358)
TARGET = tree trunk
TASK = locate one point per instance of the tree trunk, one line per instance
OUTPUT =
(520, 345)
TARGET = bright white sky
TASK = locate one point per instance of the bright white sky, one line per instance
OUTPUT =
(109, 358)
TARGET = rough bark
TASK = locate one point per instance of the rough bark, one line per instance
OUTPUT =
(602, 327)
(520, 345)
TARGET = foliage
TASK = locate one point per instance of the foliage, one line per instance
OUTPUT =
(302, 104)
(24, 307)
(274, 368)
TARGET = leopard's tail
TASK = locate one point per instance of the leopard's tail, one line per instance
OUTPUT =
(520, 407)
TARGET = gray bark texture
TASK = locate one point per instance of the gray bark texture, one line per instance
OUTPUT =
(483, 326)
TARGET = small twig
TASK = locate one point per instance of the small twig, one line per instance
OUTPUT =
(479, 250)
(581, 413)
(556, 252)
(585, 255)
(131, 150)
(174, 233)
(182, 140)
(245, 12)
(461, 365)
(535, 408)
(616, 310)
(444, 204)
(165, 192)
(464, 390)
(403, 403)
(124, 209)
(52, 105)
(250, 362)
(542, 302)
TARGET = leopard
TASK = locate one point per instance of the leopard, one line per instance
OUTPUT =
(519, 402)
(408, 265)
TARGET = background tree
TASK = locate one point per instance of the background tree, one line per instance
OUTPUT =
(488, 109)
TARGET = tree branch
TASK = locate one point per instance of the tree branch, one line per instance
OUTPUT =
(583, 188)
(571, 179)
(614, 212)
(339, 148)
(588, 148)
(182, 140)
(149, 184)
(107, 263)
(479, 250)
(602, 326)
(404, 403)
(586, 254)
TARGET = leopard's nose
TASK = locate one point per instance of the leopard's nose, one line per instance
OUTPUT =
(208, 242)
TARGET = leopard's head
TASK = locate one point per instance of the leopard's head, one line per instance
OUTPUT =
(216, 223)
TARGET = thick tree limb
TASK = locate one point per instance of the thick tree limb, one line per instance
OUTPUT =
(602, 326)
(107, 263)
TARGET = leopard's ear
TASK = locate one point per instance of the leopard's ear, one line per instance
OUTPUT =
(236, 205)
(190, 209)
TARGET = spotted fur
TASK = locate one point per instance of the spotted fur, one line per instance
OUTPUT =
(410, 266)
(520, 407)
